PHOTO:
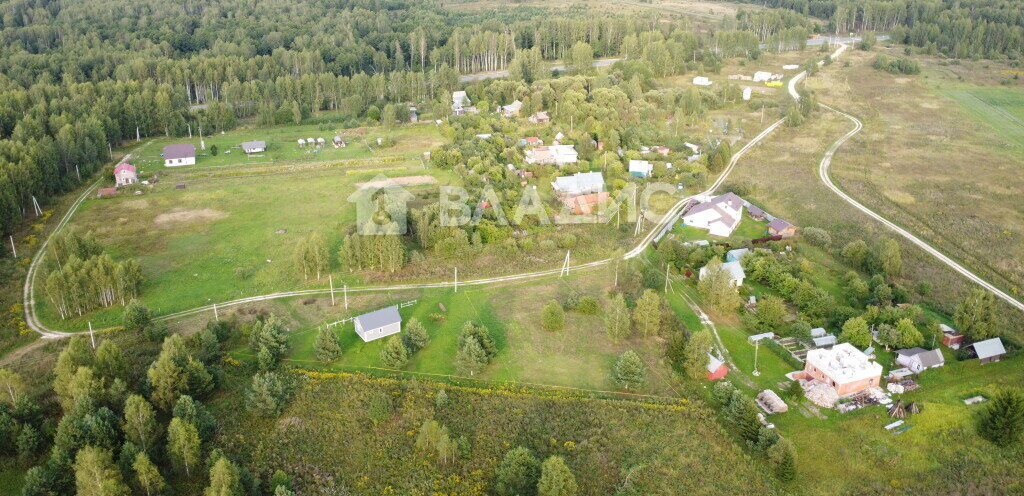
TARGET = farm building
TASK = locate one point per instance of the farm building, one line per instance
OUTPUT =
(770, 402)
(106, 192)
(818, 332)
(640, 168)
(989, 350)
(719, 215)
(779, 227)
(716, 368)
(552, 155)
(539, 118)
(179, 154)
(701, 81)
(951, 338)
(843, 367)
(580, 183)
(125, 174)
(823, 341)
(758, 337)
(918, 359)
(378, 323)
(734, 269)
(255, 146)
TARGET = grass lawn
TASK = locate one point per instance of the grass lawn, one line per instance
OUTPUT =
(1000, 108)
(578, 356)
(747, 230)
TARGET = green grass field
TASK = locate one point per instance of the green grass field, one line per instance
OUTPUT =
(1000, 108)
(282, 147)
(578, 356)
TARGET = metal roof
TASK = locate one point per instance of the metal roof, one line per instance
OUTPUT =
(713, 363)
(379, 318)
(179, 150)
(989, 348)
(254, 145)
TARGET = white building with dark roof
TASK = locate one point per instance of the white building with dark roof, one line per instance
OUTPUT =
(179, 154)
(919, 359)
(719, 215)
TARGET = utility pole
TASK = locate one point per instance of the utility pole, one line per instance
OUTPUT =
(346, 296)
(456, 279)
(14, 251)
(757, 345)
(92, 337)
(666, 277)
(616, 274)
(331, 279)
(216, 316)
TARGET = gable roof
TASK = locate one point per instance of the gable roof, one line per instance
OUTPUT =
(179, 150)
(779, 225)
(713, 363)
(931, 358)
(734, 269)
(580, 181)
(755, 210)
(125, 166)
(380, 318)
(989, 348)
(911, 351)
(253, 145)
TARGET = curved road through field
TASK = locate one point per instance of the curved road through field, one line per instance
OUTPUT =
(826, 161)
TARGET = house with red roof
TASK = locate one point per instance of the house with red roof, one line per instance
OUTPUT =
(716, 368)
(125, 174)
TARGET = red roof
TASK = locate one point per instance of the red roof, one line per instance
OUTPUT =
(124, 166)
(100, 193)
(719, 373)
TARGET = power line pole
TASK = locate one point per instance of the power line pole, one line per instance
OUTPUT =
(331, 279)
(456, 279)
(14, 251)
(92, 337)
(346, 296)
(666, 277)
(216, 316)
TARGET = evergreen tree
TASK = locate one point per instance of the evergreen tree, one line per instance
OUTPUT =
(517, 474)
(1002, 420)
(394, 355)
(193, 412)
(268, 393)
(552, 317)
(415, 335)
(136, 316)
(616, 319)
(268, 342)
(556, 479)
(782, 455)
(326, 347)
(96, 474)
(471, 357)
(630, 371)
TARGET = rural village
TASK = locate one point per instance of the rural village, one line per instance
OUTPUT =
(639, 250)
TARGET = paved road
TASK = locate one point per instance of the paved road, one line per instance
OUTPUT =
(826, 161)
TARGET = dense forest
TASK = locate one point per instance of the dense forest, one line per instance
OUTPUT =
(957, 28)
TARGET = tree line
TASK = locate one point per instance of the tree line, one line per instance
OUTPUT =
(79, 277)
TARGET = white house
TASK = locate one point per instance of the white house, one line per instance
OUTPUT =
(918, 359)
(552, 155)
(461, 103)
(179, 154)
(734, 269)
(255, 146)
(512, 109)
(719, 215)
(701, 81)
(580, 183)
(379, 323)
(640, 168)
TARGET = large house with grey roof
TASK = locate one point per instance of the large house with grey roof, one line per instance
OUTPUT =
(179, 154)
(580, 183)
(719, 215)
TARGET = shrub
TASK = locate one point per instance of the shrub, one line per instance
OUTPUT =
(587, 305)
(817, 237)
(268, 393)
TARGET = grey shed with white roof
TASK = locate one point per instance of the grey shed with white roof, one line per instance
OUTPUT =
(379, 323)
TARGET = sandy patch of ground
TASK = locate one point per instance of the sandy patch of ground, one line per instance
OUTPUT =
(180, 215)
(398, 181)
